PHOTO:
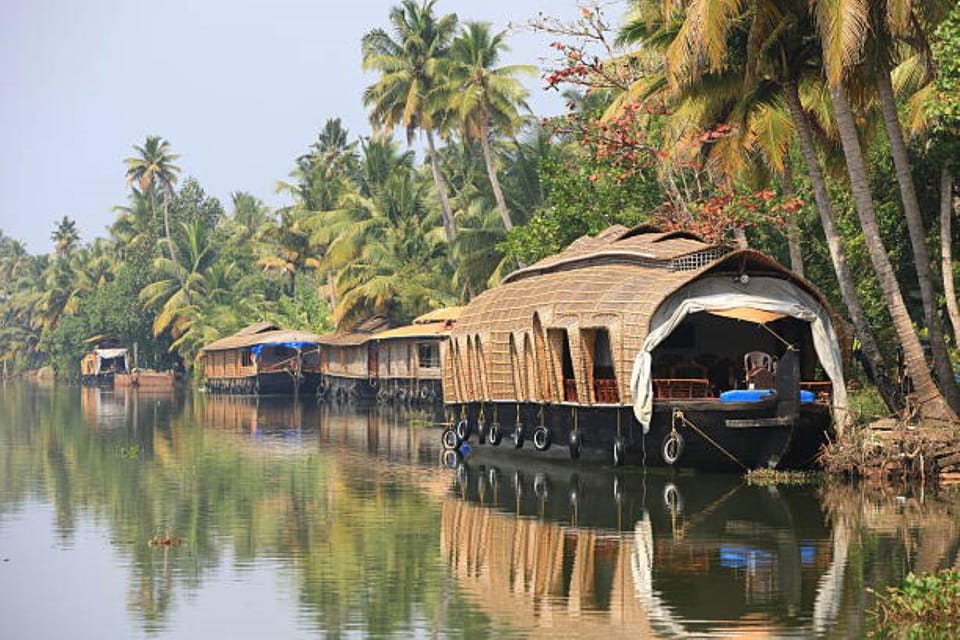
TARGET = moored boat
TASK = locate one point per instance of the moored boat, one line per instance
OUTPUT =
(648, 347)
(348, 361)
(408, 358)
(101, 364)
(262, 358)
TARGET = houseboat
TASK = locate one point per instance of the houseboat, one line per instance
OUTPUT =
(263, 358)
(408, 358)
(103, 362)
(648, 347)
(348, 361)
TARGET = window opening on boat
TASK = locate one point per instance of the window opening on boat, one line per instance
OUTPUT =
(569, 379)
(604, 375)
(530, 368)
(428, 355)
(516, 371)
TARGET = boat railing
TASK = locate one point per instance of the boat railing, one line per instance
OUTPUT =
(605, 391)
(683, 388)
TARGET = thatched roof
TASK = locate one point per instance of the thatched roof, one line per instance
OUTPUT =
(356, 336)
(446, 314)
(261, 333)
(622, 277)
(618, 271)
(645, 246)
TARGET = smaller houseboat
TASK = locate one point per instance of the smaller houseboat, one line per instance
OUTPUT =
(107, 359)
(408, 358)
(348, 361)
(263, 358)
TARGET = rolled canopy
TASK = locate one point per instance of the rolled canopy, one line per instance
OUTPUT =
(760, 300)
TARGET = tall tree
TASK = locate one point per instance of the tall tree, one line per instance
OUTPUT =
(485, 97)
(65, 237)
(409, 63)
(152, 169)
(778, 53)
(839, 24)
(891, 27)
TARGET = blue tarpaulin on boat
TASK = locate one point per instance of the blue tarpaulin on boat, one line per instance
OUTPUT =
(753, 395)
(257, 349)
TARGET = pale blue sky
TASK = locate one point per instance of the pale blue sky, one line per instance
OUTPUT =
(239, 88)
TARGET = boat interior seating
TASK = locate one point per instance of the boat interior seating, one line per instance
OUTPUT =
(760, 369)
(681, 388)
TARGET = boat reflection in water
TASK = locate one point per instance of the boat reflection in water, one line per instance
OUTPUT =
(644, 555)
(112, 408)
(384, 431)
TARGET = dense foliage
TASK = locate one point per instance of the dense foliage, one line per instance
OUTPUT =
(719, 118)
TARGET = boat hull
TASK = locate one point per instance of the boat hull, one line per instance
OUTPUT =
(269, 383)
(713, 436)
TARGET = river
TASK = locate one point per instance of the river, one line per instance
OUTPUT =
(130, 515)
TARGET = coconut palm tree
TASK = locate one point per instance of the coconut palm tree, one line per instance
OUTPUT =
(839, 22)
(135, 230)
(782, 57)
(65, 237)
(484, 97)
(288, 247)
(894, 28)
(152, 169)
(384, 245)
(409, 63)
(181, 281)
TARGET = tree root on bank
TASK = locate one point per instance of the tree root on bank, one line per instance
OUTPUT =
(887, 451)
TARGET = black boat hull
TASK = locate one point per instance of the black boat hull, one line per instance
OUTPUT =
(698, 434)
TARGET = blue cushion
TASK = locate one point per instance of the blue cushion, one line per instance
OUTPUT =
(745, 395)
(753, 395)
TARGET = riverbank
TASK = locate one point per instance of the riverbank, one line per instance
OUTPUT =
(888, 450)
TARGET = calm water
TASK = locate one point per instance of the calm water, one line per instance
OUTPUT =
(306, 521)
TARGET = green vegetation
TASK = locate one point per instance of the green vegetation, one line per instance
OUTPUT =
(773, 477)
(823, 133)
(924, 606)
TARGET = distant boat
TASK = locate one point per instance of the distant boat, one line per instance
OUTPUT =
(398, 364)
(103, 362)
(648, 347)
(262, 358)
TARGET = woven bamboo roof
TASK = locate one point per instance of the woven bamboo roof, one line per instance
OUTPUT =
(605, 287)
(356, 336)
(447, 314)
(428, 330)
(260, 333)
(642, 245)
(258, 327)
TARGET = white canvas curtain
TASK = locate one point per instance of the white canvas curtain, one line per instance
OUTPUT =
(110, 354)
(724, 293)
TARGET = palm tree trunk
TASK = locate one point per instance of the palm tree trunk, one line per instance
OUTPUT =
(876, 370)
(931, 402)
(331, 285)
(918, 239)
(492, 176)
(449, 228)
(166, 226)
(946, 251)
(793, 229)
